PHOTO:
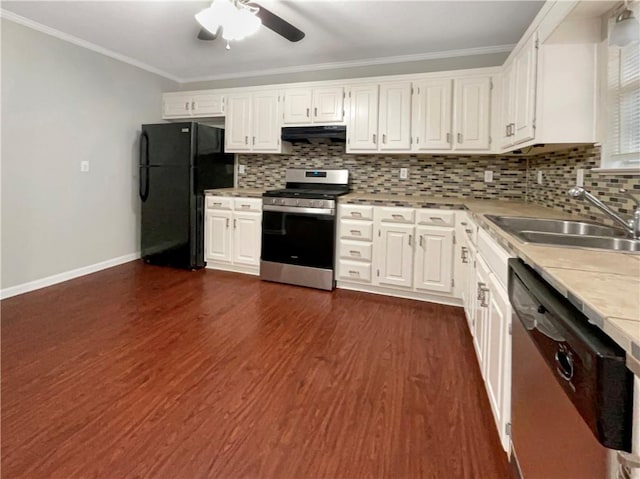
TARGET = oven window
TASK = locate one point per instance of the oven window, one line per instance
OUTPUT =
(300, 239)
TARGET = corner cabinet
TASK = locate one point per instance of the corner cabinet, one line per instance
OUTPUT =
(253, 123)
(233, 232)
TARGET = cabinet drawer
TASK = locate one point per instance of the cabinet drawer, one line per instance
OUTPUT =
(219, 202)
(362, 230)
(356, 212)
(471, 230)
(247, 204)
(359, 250)
(435, 217)
(352, 270)
(397, 215)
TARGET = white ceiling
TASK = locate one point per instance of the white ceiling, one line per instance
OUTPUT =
(162, 34)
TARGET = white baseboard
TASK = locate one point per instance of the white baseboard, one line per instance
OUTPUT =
(67, 275)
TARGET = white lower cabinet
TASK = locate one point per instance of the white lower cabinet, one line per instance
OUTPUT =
(395, 255)
(233, 234)
(382, 249)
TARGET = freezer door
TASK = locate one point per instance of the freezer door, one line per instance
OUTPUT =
(168, 144)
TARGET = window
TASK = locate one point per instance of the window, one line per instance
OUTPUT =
(621, 148)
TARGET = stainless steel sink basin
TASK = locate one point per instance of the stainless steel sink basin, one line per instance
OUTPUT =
(583, 241)
(579, 234)
(517, 224)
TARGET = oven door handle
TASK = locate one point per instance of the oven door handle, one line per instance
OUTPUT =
(300, 210)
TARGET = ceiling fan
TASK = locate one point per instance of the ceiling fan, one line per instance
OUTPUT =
(267, 18)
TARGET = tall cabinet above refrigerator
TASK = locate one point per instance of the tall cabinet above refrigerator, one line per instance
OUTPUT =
(178, 161)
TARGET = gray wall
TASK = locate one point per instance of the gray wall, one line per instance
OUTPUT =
(62, 104)
(425, 66)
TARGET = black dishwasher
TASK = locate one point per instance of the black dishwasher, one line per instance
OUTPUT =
(572, 393)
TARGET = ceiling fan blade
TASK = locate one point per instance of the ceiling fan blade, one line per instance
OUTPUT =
(206, 35)
(275, 23)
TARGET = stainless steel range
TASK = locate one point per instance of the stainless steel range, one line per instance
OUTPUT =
(299, 228)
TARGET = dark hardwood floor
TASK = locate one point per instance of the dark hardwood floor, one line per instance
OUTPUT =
(141, 371)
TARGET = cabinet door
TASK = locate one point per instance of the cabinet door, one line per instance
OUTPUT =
(506, 127)
(472, 100)
(363, 118)
(395, 116)
(238, 123)
(218, 236)
(176, 106)
(524, 71)
(481, 311)
(498, 357)
(471, 288)
(395, 255)
(432, 115)
(434, 259)
(207, 104)
(246, 238)
(266, 122)
(297, 105)
(328, 105)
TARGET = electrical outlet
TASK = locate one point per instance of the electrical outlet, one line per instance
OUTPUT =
(404, 173)
(580, 177)
(242, 169)
(539, 177)
(84, 166)
(488, 176)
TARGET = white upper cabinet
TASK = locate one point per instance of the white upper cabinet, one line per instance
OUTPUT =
(362, 130)
(472, 113)
(507, 103)
(192, 104)
(432, 115)
(524, 95)
(313, 105)
(238, 123)
(394, 127)
(266, 124)
(253, 123)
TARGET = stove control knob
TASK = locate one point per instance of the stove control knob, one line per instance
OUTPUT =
(280, 201)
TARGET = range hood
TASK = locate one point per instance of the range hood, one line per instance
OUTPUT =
(312, 134)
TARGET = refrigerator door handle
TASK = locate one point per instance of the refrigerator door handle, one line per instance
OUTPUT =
(144, 166)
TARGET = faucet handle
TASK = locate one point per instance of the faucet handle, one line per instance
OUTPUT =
(631, 196)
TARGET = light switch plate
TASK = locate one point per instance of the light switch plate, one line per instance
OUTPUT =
(539, 177)
(84, 166)
(488, 176)
(404, 173)
(242, 169)
(580, 177)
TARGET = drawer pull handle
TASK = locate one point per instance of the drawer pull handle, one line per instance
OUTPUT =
(356, 232)
(217, 204)
(354, 273)
(469, 231)
(397, 217)
(463, 254)
(436, 218)
(463, 223)
(421, 238)
(410, 239)
(245, 206)
(354, 253)
(357, 214)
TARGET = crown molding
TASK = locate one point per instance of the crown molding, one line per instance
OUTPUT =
(357, 63)
(8, 15)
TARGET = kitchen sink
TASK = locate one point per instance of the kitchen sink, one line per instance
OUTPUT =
(568, 233)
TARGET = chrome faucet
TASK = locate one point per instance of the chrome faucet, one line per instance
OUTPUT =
(632, 226)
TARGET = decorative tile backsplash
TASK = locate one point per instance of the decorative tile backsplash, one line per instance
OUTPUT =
(456, 176)
(448, 176)
(559, 170)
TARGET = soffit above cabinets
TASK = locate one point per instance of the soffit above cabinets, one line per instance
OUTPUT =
(162, 34)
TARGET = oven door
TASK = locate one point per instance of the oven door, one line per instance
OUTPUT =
(298, 236)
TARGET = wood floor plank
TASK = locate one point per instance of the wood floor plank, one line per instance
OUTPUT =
(140, 371)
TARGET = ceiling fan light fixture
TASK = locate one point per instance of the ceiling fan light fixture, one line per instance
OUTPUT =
(236, 19)
(626, 30)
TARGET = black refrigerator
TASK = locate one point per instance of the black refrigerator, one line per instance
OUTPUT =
(178, 161)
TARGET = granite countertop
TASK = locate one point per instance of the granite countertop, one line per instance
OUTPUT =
(236, 192)
(606, 285)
